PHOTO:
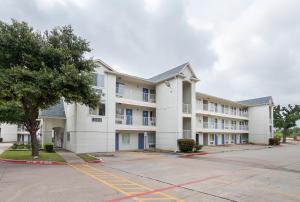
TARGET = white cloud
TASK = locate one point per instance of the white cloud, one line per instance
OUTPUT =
(240, 49)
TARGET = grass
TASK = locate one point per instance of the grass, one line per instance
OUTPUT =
(87, 157)
(26, 155)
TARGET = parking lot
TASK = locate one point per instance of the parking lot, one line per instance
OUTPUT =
(260, 174)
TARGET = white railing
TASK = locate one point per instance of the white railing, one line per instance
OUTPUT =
(220, 126)
(133, 120)
(186, 108)
(149, 121)
(226, 110)
(21, 128)
(187, 134)
(137, 95)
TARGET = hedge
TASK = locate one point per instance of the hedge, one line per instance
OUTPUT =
(48, 147)
(274, 141)
(186, 145)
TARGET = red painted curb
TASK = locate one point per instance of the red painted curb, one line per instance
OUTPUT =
(94, 161)
(195, 154)
(33, 162)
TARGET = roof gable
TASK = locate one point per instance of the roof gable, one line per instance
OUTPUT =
(55, 111)
(172, 73)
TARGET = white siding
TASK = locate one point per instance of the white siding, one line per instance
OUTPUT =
(8, 132)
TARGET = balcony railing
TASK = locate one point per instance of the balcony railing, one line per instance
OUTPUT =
(225, 110)
(187, 134)
(221, 126)
(149, 121)
(137, 95)
(186, 108)
(21, 128)
(132, 120)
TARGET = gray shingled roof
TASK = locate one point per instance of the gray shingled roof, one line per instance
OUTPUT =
(257, 101)
(57, 110)
(168, 74)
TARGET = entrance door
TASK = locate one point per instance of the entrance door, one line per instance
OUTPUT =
(223, 141)
(216, 139)
(145, 118)
(205, 139)
(128, 116)
(145, 94)
(141, 141)
(197, 138)
(117, 142)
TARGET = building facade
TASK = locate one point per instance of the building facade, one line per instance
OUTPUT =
(14, 133)
(137, 113)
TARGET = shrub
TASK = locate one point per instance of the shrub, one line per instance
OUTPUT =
(198, 147)
(186, 145)
(48, 147)
(1, 139)
(274, 141)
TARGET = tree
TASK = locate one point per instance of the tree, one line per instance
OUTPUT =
(285, 118)
(38, 69)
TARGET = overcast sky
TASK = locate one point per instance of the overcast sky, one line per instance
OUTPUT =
(239, 49)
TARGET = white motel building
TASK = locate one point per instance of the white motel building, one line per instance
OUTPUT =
(138, 113)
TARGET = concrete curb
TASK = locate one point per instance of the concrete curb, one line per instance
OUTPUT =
(33, 162)
(195, 154)
(94, 161)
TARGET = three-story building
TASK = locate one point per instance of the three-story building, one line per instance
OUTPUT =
(138, 113)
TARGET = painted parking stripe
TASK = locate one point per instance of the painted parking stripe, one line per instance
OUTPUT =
(123, 185)
(164, 189)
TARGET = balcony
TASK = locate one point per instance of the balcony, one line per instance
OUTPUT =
(136, 95)
(130, 120)
(186, 108)
(208, 108)
(187, 134)
(226, 127)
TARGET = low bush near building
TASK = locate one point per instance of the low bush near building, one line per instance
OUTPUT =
(198, 147)
(17, 146)
(1, 139)
(274, 141)
(186, 145)
(48, 147)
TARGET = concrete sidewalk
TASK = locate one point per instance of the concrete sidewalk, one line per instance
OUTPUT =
(70, 157)
(231, 148)
(4, 146)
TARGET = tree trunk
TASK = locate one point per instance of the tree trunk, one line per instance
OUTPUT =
(285, 133)
(34, 144)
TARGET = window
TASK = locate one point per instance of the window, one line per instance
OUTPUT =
(98, 80)
(216, 107)
(68, 136)
(119, 89)
(96, 119)
(125, 139)
(222, 109)
(99, 110)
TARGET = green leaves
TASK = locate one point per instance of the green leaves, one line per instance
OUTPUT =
(11, 112)
(38, 69)
(286, 117)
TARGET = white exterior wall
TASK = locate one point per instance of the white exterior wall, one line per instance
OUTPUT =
(97, 136)
(47, 128)
(8, 132)
(88, 136)
(259, 131)
(168, 108)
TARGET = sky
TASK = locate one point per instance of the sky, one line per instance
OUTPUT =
(239, 49)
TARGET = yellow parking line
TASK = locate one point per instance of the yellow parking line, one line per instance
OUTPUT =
(122, 184)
